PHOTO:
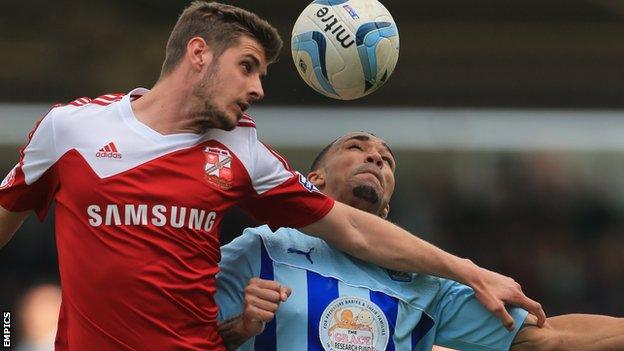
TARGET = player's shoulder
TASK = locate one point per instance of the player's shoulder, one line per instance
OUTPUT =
(62, 118)
(277, 242)
(248, 237)
(279, 237)
(84, 108)
(247, 245)
(258, 231)
(86, 103)
(282, 239)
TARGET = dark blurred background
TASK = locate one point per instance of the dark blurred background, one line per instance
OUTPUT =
(552, 217)
(518, 53)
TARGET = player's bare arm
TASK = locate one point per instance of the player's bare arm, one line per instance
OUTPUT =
(572, 332)
(9, 223)
(262, 298)
(373, 239)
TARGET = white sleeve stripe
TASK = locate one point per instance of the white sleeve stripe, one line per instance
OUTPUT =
(278, 156)
(40, 153)
(270, 171)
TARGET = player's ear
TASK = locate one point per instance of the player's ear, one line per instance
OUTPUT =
(198, 53)
(317, 178)
(385, 211)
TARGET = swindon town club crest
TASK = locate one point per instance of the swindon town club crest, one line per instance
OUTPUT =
(218, 167)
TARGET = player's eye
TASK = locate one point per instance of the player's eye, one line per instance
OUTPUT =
(388, 160)
(246, 67)
(355, 146)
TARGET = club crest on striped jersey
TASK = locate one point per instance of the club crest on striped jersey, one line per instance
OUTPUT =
(10, 178)
(353, 323)
(218, 167)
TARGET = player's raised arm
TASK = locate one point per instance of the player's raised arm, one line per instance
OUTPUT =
(373, 239)
(9, 223)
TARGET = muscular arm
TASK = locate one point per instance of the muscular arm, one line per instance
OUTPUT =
(378, 241)
(9, 223)
(373, 239)
(572, 332)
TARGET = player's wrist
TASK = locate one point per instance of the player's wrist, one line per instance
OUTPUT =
(234, 332)
(468, 273)
(250, 327)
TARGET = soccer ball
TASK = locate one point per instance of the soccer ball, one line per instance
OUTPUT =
(345, 49)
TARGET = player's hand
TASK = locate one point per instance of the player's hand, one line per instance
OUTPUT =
(262, 298)
(494, 291)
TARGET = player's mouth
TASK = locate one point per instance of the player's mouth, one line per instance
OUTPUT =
(243, 106)
(373, 172)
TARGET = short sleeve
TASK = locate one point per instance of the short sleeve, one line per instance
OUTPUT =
(32, 183)
(281, 197)
(463, 323)
(240, 261)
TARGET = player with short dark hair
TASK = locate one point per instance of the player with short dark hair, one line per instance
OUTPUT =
(315, 297)
(221, 25)
(142, 180)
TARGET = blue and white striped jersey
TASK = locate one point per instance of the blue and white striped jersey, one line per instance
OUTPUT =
(341, 303)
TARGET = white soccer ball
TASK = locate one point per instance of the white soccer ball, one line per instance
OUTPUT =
(345, 49)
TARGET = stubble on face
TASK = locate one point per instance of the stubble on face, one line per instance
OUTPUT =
(367, 193)
(208, 115)
(364, 193)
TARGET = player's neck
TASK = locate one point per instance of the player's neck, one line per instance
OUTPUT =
(165, 107)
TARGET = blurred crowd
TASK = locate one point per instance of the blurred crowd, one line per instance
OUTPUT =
(537, 219)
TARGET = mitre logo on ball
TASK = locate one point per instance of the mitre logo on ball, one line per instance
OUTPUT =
(218, 167)
(345, 49)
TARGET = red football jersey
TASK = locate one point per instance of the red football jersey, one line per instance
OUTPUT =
(137, 219)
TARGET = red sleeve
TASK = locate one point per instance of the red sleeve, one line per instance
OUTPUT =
(18, 192)
(17, 196)
(295, 203)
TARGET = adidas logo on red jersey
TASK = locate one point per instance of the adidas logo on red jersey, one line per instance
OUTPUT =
(109, 151)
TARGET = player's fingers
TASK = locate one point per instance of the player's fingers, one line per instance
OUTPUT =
(262, 293)
(264, 283)
(263, 304)
(521, 300)
(257, 314)
(536, 309)
(501, 312)
(284, 292)
(530, 320)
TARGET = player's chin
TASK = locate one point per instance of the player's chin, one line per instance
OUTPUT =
(234, 116)
(370, 182)
(367, 192)
(228, 127)
(229, 120)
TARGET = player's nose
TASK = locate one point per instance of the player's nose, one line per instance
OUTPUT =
(256, 91)
(375, 158)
